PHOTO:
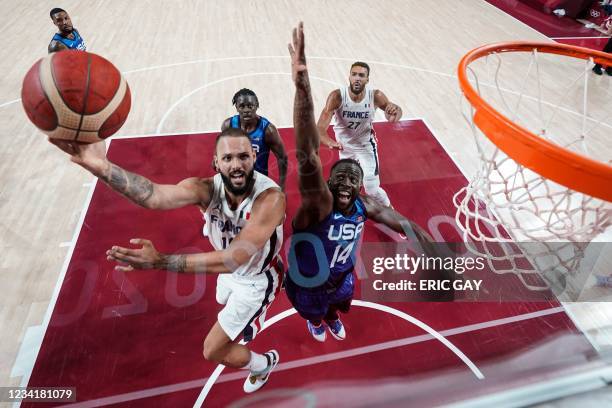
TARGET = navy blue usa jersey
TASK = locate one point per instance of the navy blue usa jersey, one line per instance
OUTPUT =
(334, 240)
(77, 44)
(258, 140)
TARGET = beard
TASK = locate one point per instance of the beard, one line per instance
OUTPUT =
(356, 90)
(227, 182)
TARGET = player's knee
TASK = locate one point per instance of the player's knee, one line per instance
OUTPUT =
(371, 184)
(379, 195)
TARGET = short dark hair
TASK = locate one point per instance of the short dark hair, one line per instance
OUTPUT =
(55, 11)
(361, 64)
(347, 160)
(231, 132)
(244, 92)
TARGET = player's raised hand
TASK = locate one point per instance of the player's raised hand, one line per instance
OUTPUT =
(296, 51)
(92, 156)
(145, 257)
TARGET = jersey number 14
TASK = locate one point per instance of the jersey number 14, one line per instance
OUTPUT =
(341, 255)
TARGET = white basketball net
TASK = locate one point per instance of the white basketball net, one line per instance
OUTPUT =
(508, 203)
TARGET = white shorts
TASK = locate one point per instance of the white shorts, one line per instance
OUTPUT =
(367, 158)
(246, 300)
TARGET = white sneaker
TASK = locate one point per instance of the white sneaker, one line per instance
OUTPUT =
(256, 381)
(336, 328)
(317, 332)
(559, 12)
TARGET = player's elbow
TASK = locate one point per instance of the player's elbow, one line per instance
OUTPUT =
(155, 202)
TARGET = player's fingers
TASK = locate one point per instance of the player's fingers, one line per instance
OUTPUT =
(120, 263)
(294, 37)
(123, 251)
(140, 241)
(301, 38)
(64, 145)
(127, 268)
(117, 256)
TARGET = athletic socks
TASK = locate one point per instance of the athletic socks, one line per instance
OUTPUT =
(257, 364)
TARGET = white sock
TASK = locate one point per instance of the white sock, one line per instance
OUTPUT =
(257, 364)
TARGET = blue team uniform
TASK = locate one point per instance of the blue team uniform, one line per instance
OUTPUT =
(338, 236)
(258, 140)
(77, 44)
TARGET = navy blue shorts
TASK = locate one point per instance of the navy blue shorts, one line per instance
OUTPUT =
(313, 303)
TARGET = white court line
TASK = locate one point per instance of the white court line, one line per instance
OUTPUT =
(577, 38)
(389, 64)
(2, 105)
(446, 149)
(58, 285)
(62, 276)
(217, 130)
(314, 360)
(68, 257)
(183, 386)
(517, 20)
(205, 60)
(71, 244)
(383, 308)
(569, 312)
(224, 79)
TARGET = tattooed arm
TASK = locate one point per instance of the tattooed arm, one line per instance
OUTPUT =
(267, 213)
(138, 189)
(317, 200)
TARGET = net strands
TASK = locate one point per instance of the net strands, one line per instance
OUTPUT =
(507, 203)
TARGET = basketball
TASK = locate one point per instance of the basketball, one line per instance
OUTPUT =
(76, 95)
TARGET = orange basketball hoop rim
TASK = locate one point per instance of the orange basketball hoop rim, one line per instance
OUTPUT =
(548, 159)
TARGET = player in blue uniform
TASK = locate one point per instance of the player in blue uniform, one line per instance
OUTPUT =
(264, 135)
(329, 222)
(68, 38)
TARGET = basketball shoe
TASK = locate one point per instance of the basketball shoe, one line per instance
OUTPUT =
(336, 328)
(257, 380)
(317, 332)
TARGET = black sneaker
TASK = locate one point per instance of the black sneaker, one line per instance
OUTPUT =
(597, 69)
(609, 71)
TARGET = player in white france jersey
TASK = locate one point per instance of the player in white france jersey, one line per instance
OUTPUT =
(354, 107)
(244, 210)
